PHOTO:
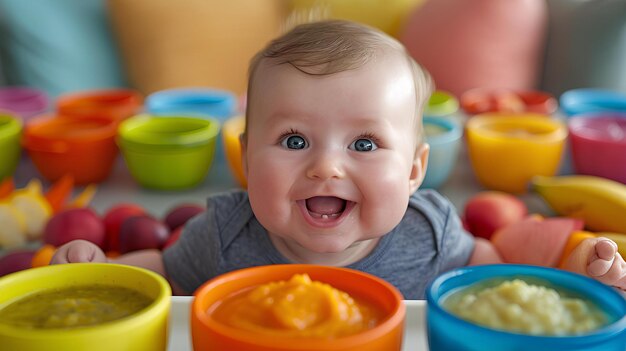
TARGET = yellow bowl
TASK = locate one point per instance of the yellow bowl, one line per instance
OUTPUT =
(231, 130)
(507, 150)
(144, 330)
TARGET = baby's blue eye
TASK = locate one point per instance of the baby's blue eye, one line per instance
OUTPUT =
(363, 145)
(294, 142)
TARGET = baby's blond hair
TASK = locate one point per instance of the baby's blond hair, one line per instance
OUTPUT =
(333, 46)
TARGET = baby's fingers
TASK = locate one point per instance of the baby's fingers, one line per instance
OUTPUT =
(78, 251)
(606, 249)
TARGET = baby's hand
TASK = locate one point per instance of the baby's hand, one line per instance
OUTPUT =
(598, 258)
(78, 251)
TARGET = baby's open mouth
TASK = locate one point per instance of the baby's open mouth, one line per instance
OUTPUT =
(325, 207)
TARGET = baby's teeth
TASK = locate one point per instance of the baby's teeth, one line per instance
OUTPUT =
(324, 216)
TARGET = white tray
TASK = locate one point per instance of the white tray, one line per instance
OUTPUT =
(180, 333)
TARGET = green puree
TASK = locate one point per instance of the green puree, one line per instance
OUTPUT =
(73, 307)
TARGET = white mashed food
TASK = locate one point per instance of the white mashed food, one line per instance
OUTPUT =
(520, 307)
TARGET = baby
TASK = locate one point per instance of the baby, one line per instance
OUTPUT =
(334, 154)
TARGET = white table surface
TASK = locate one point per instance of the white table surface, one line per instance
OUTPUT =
(179, 338)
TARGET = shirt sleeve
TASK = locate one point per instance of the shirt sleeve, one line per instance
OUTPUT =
(454, 245)
(457, 245)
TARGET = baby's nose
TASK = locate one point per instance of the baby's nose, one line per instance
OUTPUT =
(325, 165)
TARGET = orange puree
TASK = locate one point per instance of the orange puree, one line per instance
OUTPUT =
(296, 308)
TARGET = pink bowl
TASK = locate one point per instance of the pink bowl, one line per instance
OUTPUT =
(598, 145)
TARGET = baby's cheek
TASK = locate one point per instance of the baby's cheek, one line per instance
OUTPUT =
(385, 204)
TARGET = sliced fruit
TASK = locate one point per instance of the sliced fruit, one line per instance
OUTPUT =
(58, 194)
(35, 209)
(574, 240)
(535, 240)
(6, 187)
(43, 256)
(12, 227)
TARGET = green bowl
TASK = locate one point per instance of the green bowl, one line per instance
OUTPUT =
(10, 148)
(167, 169)
(168, 152)
(151, 133)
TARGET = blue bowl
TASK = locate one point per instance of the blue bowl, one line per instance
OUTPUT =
(444, 150)
(446, 332)
(215, 103)
(578, 101)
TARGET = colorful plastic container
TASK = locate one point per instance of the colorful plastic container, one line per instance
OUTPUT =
(196, 102)
(441, 104)
(208, 333)
(506, 151)
(116, 104)
(590, 100)
(444, 137)
(479, 101)
(83, 147)
(10, 148)
(145, 330)
(447, 332)
(25, 102)
(220, 104)
(231, 131)
(168, 152)
(598, 144)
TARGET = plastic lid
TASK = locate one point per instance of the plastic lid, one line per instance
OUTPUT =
(150, 132)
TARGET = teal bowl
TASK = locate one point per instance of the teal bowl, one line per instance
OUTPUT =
(168, 152)
(444, 137)
(10, 148)
(447, 332)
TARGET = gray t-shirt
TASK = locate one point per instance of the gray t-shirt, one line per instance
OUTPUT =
(428, 241)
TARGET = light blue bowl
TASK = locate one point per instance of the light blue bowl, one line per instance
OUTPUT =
(444, 150)
(220, 104)
(579, 101)
(447, 332)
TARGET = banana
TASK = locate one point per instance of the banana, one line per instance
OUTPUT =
(600, 202)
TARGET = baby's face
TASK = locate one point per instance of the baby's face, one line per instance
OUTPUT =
(330, 160)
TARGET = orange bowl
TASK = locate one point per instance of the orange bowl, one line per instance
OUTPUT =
(83, 147)
(231, 130)
(207, 333)
(116, 104)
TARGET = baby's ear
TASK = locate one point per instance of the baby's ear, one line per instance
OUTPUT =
(243, 142)
(418, 169)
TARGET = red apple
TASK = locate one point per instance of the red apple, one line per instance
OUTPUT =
(180, 214)
(74, 223)
(173, 237)
(15, 261)
(142, 232)
(489, 211)
(113, 220)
